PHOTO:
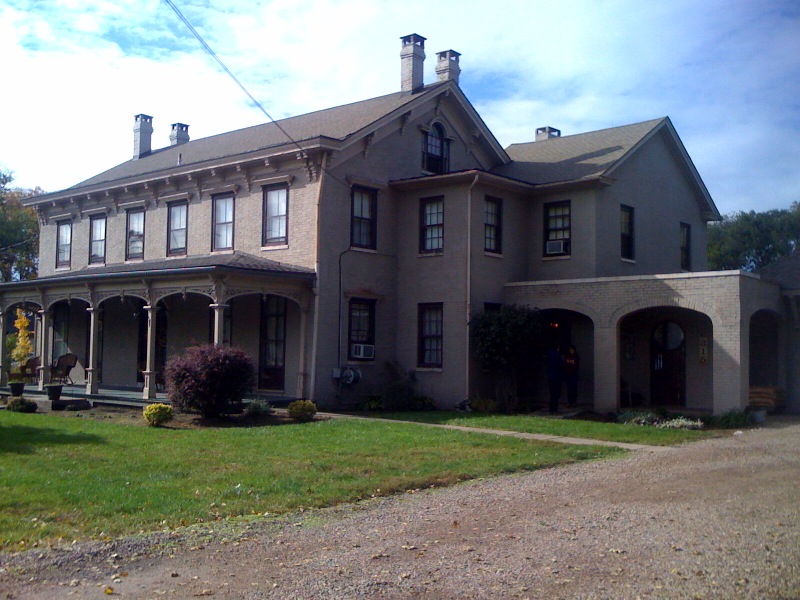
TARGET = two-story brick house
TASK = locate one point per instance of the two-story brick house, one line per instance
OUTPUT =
(333, 242)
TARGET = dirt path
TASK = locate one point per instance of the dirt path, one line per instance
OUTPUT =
(713, 519)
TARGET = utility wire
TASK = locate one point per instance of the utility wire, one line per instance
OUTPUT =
(230, 74)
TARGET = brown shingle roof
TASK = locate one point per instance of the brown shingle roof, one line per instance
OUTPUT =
(785, 271)
(574, 157)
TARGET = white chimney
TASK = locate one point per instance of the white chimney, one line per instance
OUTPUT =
(545, 133)
(179, 134)
(142, 135)
(412, 58)
(447, 68)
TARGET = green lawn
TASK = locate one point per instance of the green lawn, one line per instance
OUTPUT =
(593, 430)
(68, 478)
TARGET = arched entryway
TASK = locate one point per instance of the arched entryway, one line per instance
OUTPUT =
(665, 359)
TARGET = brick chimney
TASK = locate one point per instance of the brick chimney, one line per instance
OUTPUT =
(179, 134)
(447, 68)
(142, 135)
(545, 133)
(412, 58)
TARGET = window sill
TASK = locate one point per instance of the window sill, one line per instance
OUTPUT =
(134, 260)
(223, 251)
(366, 250)
(631, 261)
(427, 254)
(172, 256)
(63, 268)
(559, 257)
(491, 254)
(268, 247)
(95, 265)
(429, 369)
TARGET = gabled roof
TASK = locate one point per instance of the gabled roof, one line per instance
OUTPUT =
(235, 262)
(785, 271)
(596, 155)
(332, 128)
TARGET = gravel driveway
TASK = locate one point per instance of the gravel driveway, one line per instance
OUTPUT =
(713, 519)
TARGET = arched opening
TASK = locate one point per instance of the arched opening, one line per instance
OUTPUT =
(69, 327)
(665, 358)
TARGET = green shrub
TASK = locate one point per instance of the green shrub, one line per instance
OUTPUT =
(639, 417)
(371, 402)
(22, 405)
(483, 405)
(208, 378)
(158, 414)
(258, 409)
(302, 410)
(680, 423)
(734, 419)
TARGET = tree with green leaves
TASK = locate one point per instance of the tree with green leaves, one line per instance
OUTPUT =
(19, 232)
(751, 240)
(507, 342)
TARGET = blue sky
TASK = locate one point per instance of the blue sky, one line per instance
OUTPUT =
(726, 72)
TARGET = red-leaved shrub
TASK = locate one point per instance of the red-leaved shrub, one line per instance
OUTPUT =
(209, 379)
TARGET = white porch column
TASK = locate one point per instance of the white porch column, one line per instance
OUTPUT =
(45, 351)
(219, 322)
(606, 369)
(301, 370)
(4, 364)
(149, 373)
(92, 383)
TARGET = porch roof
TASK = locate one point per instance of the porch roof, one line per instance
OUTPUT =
(234, 262)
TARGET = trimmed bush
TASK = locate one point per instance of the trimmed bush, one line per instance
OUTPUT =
(23, 405)
(158, 414)
(209, 379)
(302, 410)
(258, 409)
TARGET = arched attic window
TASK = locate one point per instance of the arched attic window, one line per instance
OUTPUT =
(435, 150)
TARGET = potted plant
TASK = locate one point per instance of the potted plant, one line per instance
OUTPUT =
(54, 391)
(22, 350)
(17, 386)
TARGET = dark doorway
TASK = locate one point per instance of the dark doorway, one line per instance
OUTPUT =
(272, 344)
(668, 365)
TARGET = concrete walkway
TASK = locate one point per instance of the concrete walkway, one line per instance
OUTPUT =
(559, 439)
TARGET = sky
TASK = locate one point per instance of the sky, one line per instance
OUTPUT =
(726, 72)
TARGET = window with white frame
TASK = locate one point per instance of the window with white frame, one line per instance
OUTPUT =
(135, 238)
(493, 225)
(557, 229)
(431, 230)
(222, 235)
(177, 223)
(64, 244)
(363, 218)
(275, 211)
(97, 239)
(361, 330)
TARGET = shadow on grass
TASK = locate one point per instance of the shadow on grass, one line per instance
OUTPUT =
(19, 439)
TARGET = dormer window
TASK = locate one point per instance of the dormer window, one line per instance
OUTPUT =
(435, 150)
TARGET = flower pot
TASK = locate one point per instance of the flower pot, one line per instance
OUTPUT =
(54, 392)
(758, 416)
(17, 387)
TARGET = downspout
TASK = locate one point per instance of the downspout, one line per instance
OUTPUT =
(468, 303)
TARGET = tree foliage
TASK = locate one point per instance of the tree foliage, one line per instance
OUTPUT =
(23, 348)
(19, 232)
(751, 240)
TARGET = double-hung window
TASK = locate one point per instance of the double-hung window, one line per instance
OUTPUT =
(430, 335)
(361, 331)
(177, 220)
(363, 218)
(493, 225)
(64, 244)
(435, 150)
(626, 233)
(135, 238)
(276, 210)
(686, 247)
(222, 236)
(431, 230)
(97, 240)
(557, 229)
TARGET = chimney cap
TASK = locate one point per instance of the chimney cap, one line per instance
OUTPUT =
(414, 38)
(546, 133)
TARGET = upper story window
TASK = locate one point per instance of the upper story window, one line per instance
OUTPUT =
(276, 210)
(363, 218)
(431, 230)
(493, 225)
(97, 239)
(361, 336)
(135, 241)
(177, 223)
(686, 247)
(430, 335)
(557, 229)
(222, 236)
(626, 237)
(64, 244)
(435, 150)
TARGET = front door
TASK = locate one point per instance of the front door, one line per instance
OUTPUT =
(272, 345)
(668, 365)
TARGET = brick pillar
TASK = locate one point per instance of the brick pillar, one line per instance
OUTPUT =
(606, 369)
(731, 356)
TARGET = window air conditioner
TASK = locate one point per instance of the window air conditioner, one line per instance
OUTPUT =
(366, 351)
(555, 247)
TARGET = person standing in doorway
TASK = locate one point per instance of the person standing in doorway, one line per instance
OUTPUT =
(571, 369)
(555, 375)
